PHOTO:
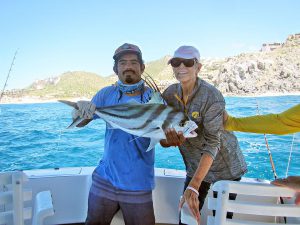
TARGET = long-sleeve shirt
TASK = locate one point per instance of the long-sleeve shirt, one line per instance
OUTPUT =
(125, 163)
(206, 107)
(282, 123)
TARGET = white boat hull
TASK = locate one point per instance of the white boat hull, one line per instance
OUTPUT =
(70, 188)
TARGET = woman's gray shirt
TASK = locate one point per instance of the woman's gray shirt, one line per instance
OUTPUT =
(206, 106)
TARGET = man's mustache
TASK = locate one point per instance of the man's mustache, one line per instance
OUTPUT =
(129, 70)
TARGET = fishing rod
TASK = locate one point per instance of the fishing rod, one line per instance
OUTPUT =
(10, 69)
(271, 158)
(150, 82)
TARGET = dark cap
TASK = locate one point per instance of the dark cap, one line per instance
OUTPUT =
(127, 48)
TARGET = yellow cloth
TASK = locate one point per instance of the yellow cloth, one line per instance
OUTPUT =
(284, 123)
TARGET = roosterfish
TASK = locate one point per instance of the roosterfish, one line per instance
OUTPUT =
(143, 120)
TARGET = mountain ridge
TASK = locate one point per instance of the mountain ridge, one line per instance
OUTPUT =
(275, 69)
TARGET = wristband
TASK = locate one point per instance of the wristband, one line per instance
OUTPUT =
(193, 189)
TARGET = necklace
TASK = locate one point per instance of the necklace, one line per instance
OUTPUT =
(183, 102)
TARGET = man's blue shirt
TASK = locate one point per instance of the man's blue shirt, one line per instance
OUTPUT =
(125, 163)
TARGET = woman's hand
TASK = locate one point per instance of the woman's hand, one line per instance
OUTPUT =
(191, 198)
(172, 138)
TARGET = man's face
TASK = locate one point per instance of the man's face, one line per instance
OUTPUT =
(129, 69)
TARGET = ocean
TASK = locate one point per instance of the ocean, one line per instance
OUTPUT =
(34, 136)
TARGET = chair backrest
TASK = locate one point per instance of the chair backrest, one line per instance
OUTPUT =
(12, 198)
(256, 203)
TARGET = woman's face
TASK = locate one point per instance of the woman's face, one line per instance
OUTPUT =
(185, 70)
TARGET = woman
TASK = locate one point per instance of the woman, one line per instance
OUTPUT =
(214, 154)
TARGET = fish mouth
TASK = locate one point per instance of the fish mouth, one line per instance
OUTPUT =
(193, 134)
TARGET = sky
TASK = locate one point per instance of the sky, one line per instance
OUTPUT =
(56, 36)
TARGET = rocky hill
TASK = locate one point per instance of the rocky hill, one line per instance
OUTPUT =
(273, 70)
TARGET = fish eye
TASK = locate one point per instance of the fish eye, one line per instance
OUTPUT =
(182, 122)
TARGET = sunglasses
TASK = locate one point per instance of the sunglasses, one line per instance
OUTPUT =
(175, 62)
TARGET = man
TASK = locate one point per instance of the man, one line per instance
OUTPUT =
(214, 154)
(292, 182)
(124, 178)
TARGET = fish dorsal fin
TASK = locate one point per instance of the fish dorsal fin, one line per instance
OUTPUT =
(152, 144)
(156, 98)
(69, 103)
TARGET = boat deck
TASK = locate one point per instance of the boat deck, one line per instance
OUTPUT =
(70, 188)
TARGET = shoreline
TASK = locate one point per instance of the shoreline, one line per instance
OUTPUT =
(37, 101)
(264, 95)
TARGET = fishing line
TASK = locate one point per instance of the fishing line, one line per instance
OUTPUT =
(10, 69)
(150, 82)
(290, 156)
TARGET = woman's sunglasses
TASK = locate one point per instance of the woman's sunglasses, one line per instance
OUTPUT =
(175, 62)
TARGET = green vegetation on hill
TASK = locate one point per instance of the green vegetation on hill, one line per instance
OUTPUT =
(155, 68)
(70, 84)
(274, 71)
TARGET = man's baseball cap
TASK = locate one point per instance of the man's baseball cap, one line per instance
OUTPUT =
(127, 48)
(186, 52)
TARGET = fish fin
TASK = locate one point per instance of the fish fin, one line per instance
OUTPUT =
(153, 141)
(142, 135)
(83, 122)
(69, 103)
(152, 144)
(156, 98)
(76, 122)
(135, 138)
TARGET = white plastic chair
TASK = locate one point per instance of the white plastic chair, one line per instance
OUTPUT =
(256, 203)
(12, 199)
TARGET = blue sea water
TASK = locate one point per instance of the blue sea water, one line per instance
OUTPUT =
(34, 136)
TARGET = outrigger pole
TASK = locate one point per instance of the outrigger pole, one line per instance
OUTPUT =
(5, 84)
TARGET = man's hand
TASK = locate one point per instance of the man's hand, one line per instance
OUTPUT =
(86, 110)
(292, 182)
(173, 138)
(191, 198)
